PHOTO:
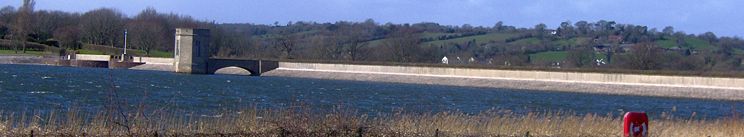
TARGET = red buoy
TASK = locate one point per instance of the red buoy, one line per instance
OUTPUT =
(635, 124)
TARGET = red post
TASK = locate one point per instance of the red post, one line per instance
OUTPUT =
(635, 124)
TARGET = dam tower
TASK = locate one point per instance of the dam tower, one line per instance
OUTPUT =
(191, 51)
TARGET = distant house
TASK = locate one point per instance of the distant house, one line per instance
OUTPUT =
(601, 48)
(615, 38)
(675, 48)
(626, 47)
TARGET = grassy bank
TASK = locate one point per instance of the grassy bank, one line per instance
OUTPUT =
(297, 122)
(33, 53)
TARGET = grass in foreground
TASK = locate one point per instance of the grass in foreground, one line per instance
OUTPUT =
(294, 122)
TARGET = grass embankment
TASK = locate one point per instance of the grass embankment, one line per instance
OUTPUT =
(294, 122)
(108, 50)
(34, 53)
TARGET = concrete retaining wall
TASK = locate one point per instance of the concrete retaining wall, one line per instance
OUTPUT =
(147, 60)
(92, 57)
(31, 60)
(601, 78)
(151, 60)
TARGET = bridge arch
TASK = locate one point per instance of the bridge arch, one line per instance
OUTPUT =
(252, 66)
(234, 70)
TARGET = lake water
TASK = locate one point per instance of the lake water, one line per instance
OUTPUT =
(26, 88)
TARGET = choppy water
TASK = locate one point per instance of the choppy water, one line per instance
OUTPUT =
(44, 88)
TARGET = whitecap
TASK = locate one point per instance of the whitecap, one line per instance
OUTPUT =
(39, 92)
(46, 77)
(14, 76)
(212, 116)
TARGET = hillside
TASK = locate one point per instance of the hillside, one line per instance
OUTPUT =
(576, 45)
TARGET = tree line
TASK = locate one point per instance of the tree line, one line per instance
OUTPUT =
(582, 44)
(148, 30)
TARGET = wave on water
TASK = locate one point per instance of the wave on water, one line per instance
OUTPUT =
(40, 92)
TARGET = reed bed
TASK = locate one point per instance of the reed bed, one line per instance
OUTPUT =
(301, 122)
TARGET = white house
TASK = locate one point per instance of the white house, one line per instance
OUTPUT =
(445, 60)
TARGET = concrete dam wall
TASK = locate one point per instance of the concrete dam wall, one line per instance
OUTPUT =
(680, 81)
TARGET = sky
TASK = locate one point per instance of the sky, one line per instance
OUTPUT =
(723, 17)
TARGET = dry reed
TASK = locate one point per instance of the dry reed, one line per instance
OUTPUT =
(300, 122)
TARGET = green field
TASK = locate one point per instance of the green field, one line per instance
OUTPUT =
(550, 56)
(667, 43)
(436, 35)
(87, 51)
(692, 43)
(571, 42)
(161, 54)
(479, 39)
(696, 43)
(527, 41)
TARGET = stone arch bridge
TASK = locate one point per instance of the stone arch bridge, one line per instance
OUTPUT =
(192, 56)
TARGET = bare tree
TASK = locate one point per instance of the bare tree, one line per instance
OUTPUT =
(328, 47)
(68, 37)
(580, 57)
(357, 50)
(46, 22)
(22, 27)
(145, 35)
(7, 14)
(645, 56)
(102, 26)
(403, 45)
(146, 30)
(286, 44)
(355, 35)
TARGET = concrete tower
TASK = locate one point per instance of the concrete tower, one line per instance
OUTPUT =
(191, 51)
